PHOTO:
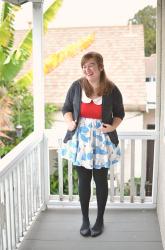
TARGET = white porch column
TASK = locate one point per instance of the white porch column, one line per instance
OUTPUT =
(161, 79)
(38, 81)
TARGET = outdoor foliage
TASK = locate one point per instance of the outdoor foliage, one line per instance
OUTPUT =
(54, 184)
(55, 59)
(127, 186)
(147, 17)
(18, 105)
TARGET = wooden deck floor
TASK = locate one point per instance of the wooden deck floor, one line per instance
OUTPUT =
(58, 229)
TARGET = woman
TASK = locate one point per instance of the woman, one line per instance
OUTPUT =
(93, 109)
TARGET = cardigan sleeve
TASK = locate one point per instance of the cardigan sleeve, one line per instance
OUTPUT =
(118, 107)
(68, 104)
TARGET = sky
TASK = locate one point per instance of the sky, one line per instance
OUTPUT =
(79, 13)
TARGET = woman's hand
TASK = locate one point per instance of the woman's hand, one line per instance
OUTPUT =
(106, 128)
(71, 125)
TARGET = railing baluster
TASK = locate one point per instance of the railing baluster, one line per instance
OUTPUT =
(70, 180)
(36, 179)
(8, 216)
(25, 178)
(45, 170)
(132, 183)
(15, 204)
(22, 190)
(11, 193)
(30, 201)
(60, 172)
(112, 184)
(143, 170)
(122, 172)
(20, 219)
(34, 182)
(39, 176)
(3, 217)
(92, 189)
(30, 191)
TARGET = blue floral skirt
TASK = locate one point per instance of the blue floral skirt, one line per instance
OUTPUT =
(89, 147)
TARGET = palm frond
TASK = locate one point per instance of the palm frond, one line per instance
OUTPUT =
(51, 12)
(2, 60)
(5, 33)
(23, 52)
(7, 27)
(70, 51)
(24, 82)
(57, 58)
(6, 8)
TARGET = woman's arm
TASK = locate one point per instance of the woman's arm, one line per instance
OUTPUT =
(116, 122)
(67, 110)
(118, 112)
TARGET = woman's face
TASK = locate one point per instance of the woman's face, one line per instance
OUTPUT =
(91, 70)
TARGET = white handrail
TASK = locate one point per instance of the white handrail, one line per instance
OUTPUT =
(130, 142)
(17, 153)
(141, 134)
(22, 189)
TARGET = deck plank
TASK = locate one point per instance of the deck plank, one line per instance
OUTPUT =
(58, 229)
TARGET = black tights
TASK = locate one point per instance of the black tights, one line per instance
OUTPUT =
(100, 178)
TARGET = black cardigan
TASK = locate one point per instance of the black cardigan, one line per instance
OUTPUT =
(112, 106)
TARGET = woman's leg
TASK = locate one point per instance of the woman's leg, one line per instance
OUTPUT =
(84, 177)
(100, 178)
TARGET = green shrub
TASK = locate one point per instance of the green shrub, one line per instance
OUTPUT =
(54, 184)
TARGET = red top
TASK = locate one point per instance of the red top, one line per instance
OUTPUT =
(91, 110)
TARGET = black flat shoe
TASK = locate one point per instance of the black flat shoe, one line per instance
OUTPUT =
(85, 229)
(96, 231)
(85, 232)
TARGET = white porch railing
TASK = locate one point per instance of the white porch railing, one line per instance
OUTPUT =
(21, 190)
(124, 191)
(25, 182)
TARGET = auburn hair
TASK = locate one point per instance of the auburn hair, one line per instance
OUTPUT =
(105, 86)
